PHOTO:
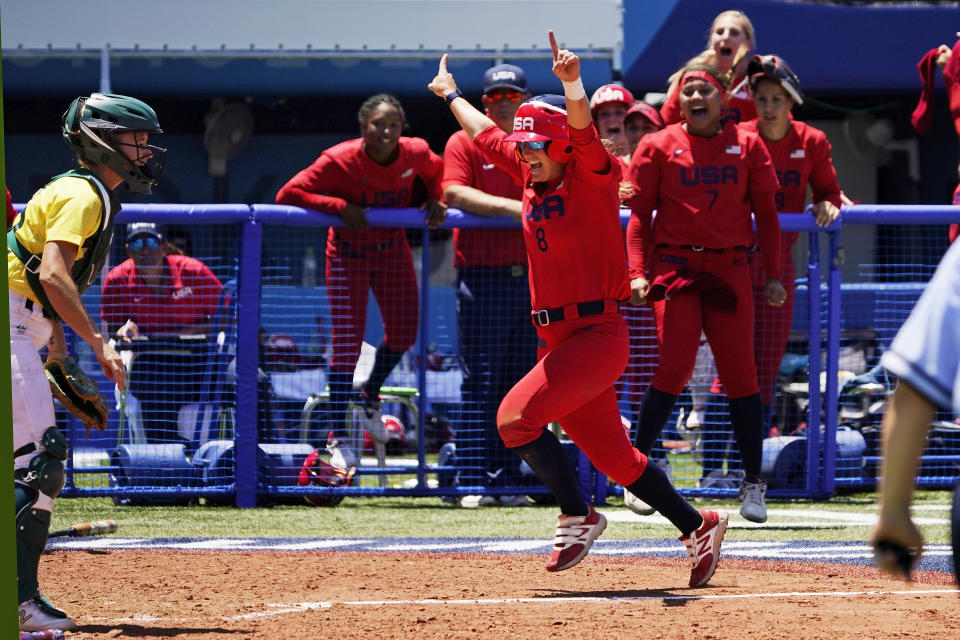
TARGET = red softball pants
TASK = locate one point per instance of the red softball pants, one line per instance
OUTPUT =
(682, 317)
(389, 273)
(573, 383)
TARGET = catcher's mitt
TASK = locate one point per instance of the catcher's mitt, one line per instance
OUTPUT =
(77, 393)
(318, 471)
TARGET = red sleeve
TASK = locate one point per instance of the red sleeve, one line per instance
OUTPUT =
(644, 177)
(823, 175)
(951, 77)
(670, 111)
(306, 188)
(493, 142)
(110, 299)
(432, 173)
(457, 167)
(11, 212)
(590, 152)
(763, 189)
(209, 286)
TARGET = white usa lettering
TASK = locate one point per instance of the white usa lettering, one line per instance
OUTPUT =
(504, 75)
(523, 124)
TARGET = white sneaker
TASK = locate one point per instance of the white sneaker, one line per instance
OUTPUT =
(754, 507)
(370, 411)
(472, 502)
(38, 614)
(636, 505)
(342, 455)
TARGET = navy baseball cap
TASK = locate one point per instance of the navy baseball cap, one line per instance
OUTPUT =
(143, 229)
(504, 76)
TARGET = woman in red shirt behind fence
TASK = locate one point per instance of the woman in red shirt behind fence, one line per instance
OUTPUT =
(376, 170)
(703, 177)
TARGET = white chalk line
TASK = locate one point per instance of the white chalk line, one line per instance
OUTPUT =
(284, 608)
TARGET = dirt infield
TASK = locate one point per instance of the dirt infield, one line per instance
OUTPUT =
(206, 595)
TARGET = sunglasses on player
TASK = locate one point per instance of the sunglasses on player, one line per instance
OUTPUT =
(150, 242)
(536, 145)
(500, 96)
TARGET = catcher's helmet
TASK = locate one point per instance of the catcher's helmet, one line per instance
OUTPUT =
(396, 436)
(89, 126)
(543, 118)
(319, 472)
(610, 94)
(776, 69)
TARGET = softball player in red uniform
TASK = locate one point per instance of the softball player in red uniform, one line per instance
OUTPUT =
(801, 156)
(641, 119)
(375, 170)
(703, 176)
(577, 281)
(608, 107)
(730, 31)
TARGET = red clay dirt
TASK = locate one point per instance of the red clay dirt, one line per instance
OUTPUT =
(238, 595)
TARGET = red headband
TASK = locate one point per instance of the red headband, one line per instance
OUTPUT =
(706, 77)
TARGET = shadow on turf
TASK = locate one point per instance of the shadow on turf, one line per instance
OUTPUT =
(139, 631)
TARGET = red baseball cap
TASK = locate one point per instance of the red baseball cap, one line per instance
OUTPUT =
(647, 111)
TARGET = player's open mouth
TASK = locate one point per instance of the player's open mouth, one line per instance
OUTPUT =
(613, 130)
(534, 166)
(726, 52)
(698, 112)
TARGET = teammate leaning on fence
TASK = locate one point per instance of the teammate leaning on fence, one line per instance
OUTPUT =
(731, 30)
(497, 341)
(925, 356)
(703, 177)
(380, 170)
(578, 279)
(54, 252)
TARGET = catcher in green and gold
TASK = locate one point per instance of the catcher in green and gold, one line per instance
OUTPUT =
(55, 250)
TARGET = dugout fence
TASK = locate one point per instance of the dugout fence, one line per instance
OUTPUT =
(230, 415)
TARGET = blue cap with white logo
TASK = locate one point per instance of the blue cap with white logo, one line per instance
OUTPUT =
(504, 76)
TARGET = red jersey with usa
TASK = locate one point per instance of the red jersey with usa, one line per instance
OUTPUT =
(572, 229)
(345, 173)
(464, 164)
(801, 158)
(702, 188)
(191, 298)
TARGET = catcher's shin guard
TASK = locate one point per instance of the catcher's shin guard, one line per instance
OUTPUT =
(33, 526)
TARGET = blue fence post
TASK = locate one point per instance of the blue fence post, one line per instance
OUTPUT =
(813, 353)
(248, 323)
(423, 400)
(833, 362)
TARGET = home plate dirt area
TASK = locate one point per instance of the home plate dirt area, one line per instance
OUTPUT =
(162, 592)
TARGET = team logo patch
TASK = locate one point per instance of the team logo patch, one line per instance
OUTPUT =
(21, 330)
(733, 149)
(504, 75)
(798, 153)
(487, 167)
(677, 152)
(407, 173)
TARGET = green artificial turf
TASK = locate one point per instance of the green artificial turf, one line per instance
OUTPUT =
(429, 518)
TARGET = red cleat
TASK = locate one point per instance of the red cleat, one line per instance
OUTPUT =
(703, 545)
(574, 537)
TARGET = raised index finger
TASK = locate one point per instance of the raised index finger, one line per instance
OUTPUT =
(443, 64)
(553, 44)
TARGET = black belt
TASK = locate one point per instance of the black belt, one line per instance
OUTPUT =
(543, 317)
(362, 253)
(697, 248)
(28, 304)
